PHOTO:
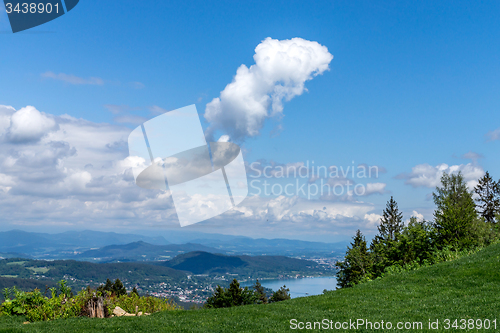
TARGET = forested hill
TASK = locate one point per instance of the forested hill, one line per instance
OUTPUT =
(208, 263)
(81, 273)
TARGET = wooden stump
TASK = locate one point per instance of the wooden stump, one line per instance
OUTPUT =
(95, 308)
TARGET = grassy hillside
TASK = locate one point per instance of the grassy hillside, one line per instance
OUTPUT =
(465, 288)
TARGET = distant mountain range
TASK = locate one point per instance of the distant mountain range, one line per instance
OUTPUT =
(288, 247)
(110, 246)
(142, 251)
(64, 244)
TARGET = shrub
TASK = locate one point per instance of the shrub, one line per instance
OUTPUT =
(37, 307)
(146, 304)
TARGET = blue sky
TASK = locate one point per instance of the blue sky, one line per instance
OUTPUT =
(411, 83)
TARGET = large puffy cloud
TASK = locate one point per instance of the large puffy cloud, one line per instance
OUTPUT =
(281, 69)
(425, 175)
(26, 124)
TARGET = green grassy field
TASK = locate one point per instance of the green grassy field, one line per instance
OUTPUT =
(468, 288)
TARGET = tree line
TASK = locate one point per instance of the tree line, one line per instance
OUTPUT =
(236, 296)
(463, 220)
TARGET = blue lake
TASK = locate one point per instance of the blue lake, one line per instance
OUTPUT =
(299, 287)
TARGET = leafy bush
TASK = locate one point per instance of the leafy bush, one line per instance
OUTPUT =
(62, 304)
(35, 307)
(146, 304)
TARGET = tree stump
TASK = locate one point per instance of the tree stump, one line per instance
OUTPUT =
(95, 308)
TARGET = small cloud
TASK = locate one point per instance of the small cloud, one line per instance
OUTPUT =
(129, 119)
(137, 85)
(472, 156)
(224, 138)
(201, 97)
(419, 216)
(375, 188)
(156, 110)
(372, 219)
(72, 79)
(493, 135)
(117, 109)
(372, 170)
(276, 131)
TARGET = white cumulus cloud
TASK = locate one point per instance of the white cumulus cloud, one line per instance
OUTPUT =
(372, 188)
(281, 69)
(29, 124)
(425, 175)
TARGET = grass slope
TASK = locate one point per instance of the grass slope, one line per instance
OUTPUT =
(465, 288)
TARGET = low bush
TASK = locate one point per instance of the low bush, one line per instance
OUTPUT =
(63, 304)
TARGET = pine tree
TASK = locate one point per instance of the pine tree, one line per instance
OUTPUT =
(118, 288)
(384, 246)
(455, 213)
(391, 223)
(488, 200)
(357, 263)
(260, 293)
(109, 285)
(281, 294)
(232, 296)
(219, 299)
(234, 293)
(134, 291)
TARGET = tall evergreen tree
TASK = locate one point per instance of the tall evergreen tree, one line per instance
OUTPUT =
(232, 296)
(391, 223)
(384, 246)
(260, 293)
(234, 293)
(134, 291)
(356, 264)
(281, 294)
(488, 200)
(455, 213)
(119, 288)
